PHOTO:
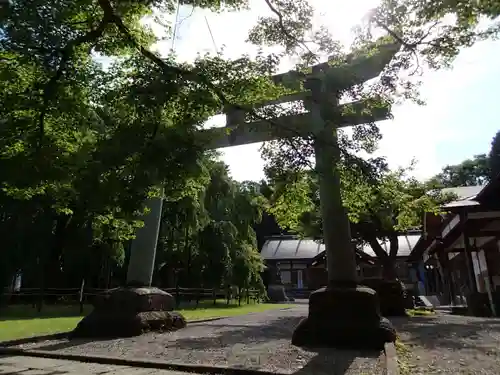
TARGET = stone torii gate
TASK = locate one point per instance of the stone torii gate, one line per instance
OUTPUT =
(343, 313)
(238, 132)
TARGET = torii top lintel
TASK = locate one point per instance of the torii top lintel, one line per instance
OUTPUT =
(358, 68)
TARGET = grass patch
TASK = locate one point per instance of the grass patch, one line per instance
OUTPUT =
(404, 355)
(421, 312)
(24, 321)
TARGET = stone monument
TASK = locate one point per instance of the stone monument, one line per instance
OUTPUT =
(130, 311)
(276, 291)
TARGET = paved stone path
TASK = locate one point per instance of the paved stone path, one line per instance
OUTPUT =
(259, 341)
(10, 365)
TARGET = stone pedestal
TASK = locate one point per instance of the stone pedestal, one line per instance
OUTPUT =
(130, 311)
(274, 285)
(276, 293)
(392, 296)
(344, 317)
(479, 304)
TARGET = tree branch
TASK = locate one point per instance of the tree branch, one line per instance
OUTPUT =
(393, 245)
(367, 233)
(66, 52)
(283, 28)
(377, 247)
(196, 77)
(180, 72)
(365, 257)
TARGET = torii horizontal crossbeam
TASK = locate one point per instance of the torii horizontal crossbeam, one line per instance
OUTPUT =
(287, 126)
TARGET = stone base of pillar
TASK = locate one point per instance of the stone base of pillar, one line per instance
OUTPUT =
(276, 293)
(479, 304)
(130, 311)
(393, 297)
(344, 317)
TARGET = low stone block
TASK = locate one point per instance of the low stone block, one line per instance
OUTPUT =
(277, 293)
(130, 311)
(136, 299)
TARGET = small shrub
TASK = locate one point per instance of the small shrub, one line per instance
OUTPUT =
(426, 311)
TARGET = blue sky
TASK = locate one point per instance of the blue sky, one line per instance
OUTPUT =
(458, 121)
(472, 114)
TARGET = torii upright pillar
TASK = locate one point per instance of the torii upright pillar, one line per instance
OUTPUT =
(343, 314)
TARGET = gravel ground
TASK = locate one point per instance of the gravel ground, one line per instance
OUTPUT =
(449, 344)
(258, 341)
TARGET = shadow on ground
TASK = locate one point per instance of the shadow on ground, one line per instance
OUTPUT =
(212, 336)
(450, 332)
(204, 336)
(341, 363)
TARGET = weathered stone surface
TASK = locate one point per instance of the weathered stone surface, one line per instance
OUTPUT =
(136, 299)
(479, 304)
(102, 324)
(126, 312)
(344, 317)
(277, 293)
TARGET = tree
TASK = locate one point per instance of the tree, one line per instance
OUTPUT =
(207, 237)
(470, 172)
(83, 146)
(74, 151)
(494, 156)
(378, 210)
(381, 212)
(436, 31)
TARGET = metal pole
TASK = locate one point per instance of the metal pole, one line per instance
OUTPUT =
(143, 249)
(341, 261)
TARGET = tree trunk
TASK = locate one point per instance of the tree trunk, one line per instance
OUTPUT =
(385, 260)
(187, 248)
(52, 262)
(388, 269)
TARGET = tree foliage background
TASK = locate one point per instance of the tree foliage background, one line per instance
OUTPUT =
(81, 146)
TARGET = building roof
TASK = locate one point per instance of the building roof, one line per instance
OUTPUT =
(469, 196)
(406, 244)
(466, 196)
(291, 248)
(464, 192)
(461, 203)
(360, 257)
